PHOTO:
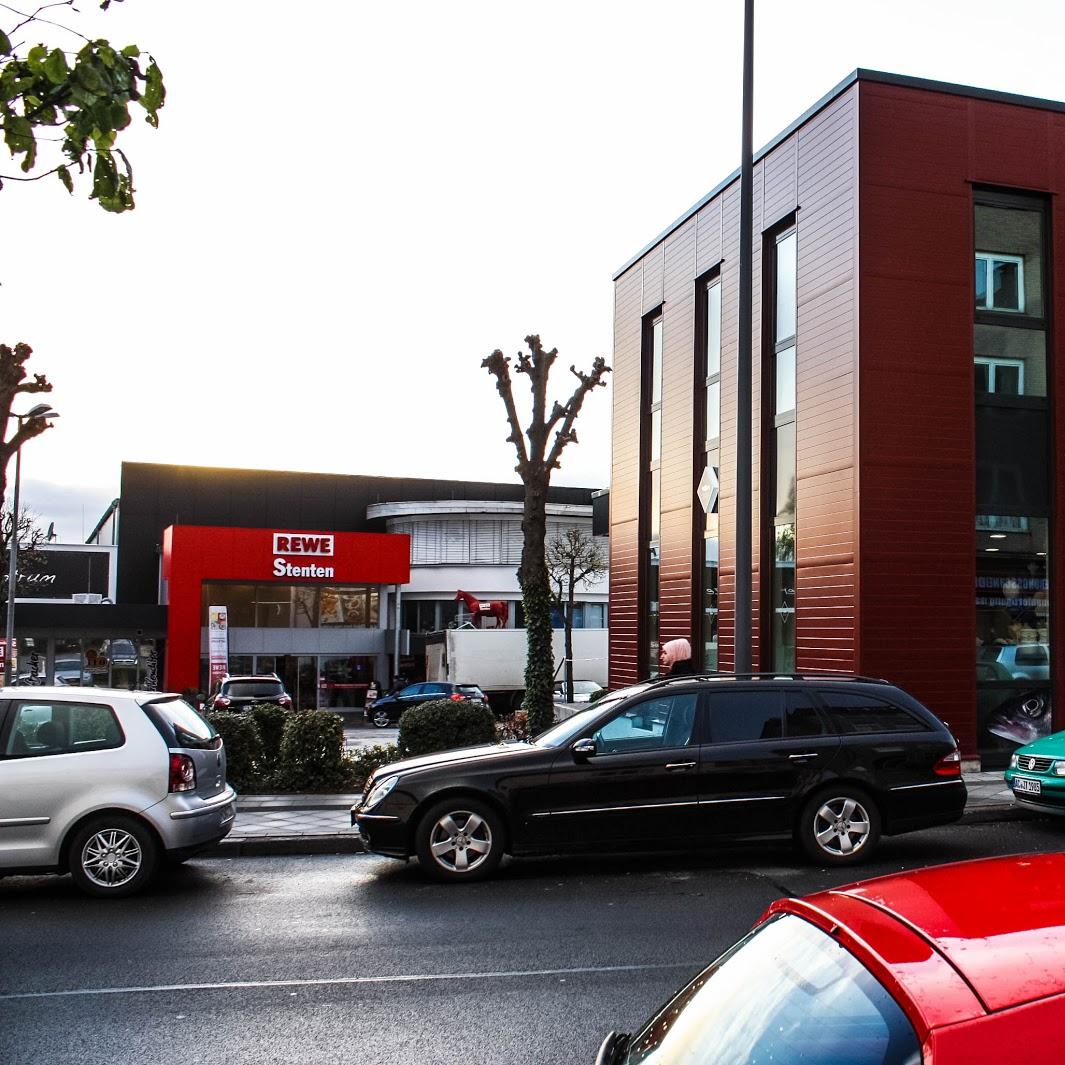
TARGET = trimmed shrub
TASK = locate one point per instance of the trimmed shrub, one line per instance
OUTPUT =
(312, 753)
(444, 724)
(244, 749)
(365, 760)
(270, 720)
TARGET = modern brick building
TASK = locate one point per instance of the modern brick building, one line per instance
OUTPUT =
(908, 383)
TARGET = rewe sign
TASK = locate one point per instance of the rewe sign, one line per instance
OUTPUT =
(295, 543)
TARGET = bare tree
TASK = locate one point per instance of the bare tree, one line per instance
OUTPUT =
(31, 537)
(573, 557)
(539, 449)
(15, 381)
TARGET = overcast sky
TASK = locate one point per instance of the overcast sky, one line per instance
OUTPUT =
(348, 205)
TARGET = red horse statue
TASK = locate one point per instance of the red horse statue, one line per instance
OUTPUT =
(483, 608)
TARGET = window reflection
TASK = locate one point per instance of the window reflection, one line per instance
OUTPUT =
(293, 606)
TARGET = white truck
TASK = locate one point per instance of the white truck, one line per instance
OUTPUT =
(494, 659)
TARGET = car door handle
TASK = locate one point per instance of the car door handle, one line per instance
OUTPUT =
(670, 766)
(802, 757)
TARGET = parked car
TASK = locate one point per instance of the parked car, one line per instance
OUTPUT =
(958, 964)
(1036, 774)
(107, 785)
(676, 764)
(387, 710)
(583, 690)
(1024, 661)
(238, 693)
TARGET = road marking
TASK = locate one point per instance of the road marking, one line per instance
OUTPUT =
(339, 981)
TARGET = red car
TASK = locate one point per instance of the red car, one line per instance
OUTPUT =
(955, 965)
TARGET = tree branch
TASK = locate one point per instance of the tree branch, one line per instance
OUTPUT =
(498, 365)
(566, 434)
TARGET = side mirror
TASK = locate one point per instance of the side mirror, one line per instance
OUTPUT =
(583, 749)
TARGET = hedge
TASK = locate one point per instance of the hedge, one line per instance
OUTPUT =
(244, 748)
(444, 724)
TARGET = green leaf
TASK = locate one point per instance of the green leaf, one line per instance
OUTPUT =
(154, 94)
(89, 76)
(131, 51)
(17, 133)
(55, 67)
(35, 58)
(64, 175)
(5, 44)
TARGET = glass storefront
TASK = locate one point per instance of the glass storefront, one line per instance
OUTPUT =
(315, 682)
(1012, 634)
(130, 662)
(289, 606)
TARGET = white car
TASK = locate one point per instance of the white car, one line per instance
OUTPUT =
(107, 785)
(583, 690)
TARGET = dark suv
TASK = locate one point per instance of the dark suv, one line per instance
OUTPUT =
(831, 761)
(238, 693)
(389, 708)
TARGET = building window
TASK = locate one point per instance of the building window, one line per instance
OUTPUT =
(705, 508)
(999, 282)
(1003, 377)
(652, 495)
(780, 461)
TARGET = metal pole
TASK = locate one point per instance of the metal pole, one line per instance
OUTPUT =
(744, 364)
(395, 636)
(12, 570)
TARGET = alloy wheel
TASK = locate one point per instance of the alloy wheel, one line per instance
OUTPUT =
(111, 857)
(460, 841)
(380, 718)
(842, 826)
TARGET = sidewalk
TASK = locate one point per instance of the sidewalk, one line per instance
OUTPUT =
(320, 824)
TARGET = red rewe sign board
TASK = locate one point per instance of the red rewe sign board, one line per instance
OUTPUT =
(193, 554)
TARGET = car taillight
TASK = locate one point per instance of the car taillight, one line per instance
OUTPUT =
(949, 765)
(457, 698)
(221, 700)
(182, 773)
(285, 700)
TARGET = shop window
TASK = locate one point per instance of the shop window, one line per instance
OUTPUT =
(273, 606)
(305, 607)
(783, 603)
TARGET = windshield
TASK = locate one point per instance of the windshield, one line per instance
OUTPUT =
(252, 689)
(786, 994)
(564, 731)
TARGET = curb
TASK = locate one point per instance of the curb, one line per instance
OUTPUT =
(275, 846)
(345, 843)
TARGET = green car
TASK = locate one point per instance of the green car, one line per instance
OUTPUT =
(1037, 774)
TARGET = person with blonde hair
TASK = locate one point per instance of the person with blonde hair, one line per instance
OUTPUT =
(675, 659)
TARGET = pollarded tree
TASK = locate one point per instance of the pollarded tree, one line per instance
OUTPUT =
(573, 557)
(16, 381)
(539, 449)
(62, 108)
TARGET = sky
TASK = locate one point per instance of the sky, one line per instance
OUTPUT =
(347, 206)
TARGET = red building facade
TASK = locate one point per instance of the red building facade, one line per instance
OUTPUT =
(907, 377)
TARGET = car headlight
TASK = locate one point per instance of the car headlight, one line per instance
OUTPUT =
(380, 792)
(1059, 769)
(1013, 762)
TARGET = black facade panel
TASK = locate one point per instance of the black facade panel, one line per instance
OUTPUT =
(1012, 455)
(154, 497)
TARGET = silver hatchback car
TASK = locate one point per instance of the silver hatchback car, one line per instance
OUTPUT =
(107, 785)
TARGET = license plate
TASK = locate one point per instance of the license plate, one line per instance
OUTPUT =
(227, 814)
(1032, 787)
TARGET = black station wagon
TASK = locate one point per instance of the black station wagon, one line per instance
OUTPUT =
(680, 764)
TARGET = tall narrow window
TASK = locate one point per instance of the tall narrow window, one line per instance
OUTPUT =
(708, 338)
(780, 403)
(1013, 484)
(652, 492)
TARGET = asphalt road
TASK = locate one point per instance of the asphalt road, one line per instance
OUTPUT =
(357, 959)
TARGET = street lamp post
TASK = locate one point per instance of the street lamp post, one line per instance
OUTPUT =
(42, 410)
(742, 628)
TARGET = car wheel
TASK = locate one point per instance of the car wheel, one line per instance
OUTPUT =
(380, 718)
(839, 826)
(113, 856)
(460, 839)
